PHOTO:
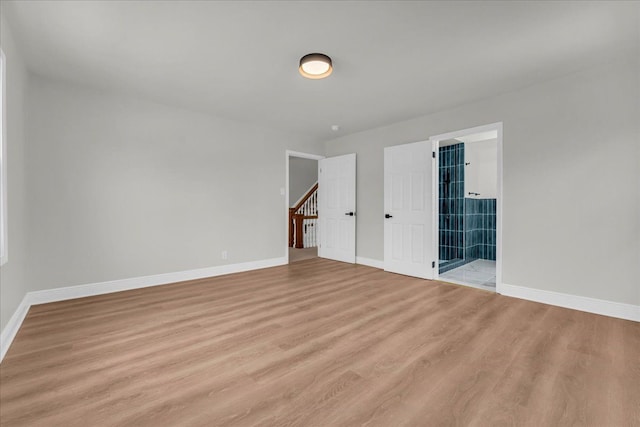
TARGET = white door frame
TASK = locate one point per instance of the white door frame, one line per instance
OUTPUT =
(435, 140)
(289, 154)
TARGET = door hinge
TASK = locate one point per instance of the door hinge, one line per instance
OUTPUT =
(433, 154)
(433, 264)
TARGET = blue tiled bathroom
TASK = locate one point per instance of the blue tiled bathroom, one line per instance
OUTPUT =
(467, 205)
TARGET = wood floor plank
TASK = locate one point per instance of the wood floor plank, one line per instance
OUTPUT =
(318, 343)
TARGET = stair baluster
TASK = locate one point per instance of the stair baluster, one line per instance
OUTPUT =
(303, 220)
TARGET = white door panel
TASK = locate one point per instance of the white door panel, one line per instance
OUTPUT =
(336, 200)
(408, 183)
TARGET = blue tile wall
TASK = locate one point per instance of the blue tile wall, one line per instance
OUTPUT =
(480, 229)
(451, 199)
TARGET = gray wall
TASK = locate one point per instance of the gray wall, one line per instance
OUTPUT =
(13, 284)
(120, 187)
(571, 180)
(303, 174)
(481, 173)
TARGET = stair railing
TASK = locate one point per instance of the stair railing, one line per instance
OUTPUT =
(303, 221)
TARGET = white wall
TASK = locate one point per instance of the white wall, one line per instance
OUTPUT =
(303, 174)
(481, 173)
(571, 180)
(13, 284)
(120, 187)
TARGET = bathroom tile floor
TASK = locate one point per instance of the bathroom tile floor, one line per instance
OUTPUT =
(480, 273)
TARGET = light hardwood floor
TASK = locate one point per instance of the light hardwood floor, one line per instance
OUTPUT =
(318, 343)
(296, 255)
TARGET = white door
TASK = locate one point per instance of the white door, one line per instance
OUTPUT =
(408, 181)
(337, 208)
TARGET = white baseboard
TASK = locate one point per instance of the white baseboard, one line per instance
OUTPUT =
(80, 291)
(576, 302)
(11, 329)
(71, 292)
(370, 262)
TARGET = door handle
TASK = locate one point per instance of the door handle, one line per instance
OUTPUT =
(388, 216)
(349, 214)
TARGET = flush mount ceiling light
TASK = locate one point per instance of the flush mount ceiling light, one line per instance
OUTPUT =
(315, 66)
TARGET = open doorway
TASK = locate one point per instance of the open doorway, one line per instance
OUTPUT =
(468, 205)
(302, 206)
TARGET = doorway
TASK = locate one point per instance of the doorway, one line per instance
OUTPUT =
(302, 206)
(468, 207)
(333, 209)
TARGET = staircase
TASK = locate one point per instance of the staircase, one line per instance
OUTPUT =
(303, 221)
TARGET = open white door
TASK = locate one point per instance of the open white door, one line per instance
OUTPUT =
(408, 182)
(337, 208)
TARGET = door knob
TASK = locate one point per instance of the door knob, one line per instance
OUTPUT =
(349, 214)
(388, 216)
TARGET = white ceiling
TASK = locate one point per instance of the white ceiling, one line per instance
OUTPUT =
(392, 60)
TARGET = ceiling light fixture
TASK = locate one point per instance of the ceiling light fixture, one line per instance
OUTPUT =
(315, 66)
